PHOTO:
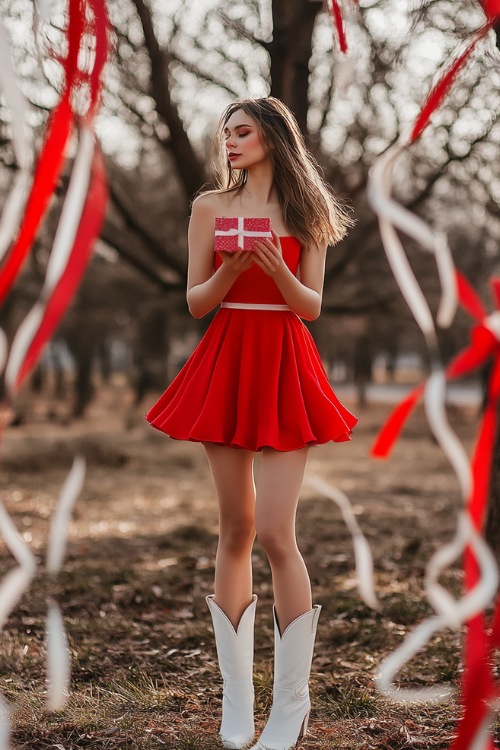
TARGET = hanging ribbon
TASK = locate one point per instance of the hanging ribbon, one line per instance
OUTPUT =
(481, 575)
(79, 226)
(22, 143)
(60, 127)
(58, 660)
(340, 11)
(392, 215)
(16, 582)
(484, 345)
(443, 86)
(477, 684)
(362, 552)
(338, 22)
(51, 157)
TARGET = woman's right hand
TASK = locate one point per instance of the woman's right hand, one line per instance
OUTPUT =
(206, 289)
(237, 262)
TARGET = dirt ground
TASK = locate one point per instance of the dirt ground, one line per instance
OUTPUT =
(140, 561)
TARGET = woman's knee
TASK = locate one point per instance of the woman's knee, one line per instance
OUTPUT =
(276, 543)
(237, 534)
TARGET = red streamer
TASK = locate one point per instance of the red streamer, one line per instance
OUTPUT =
(441, 89)
(85, 16)
(491, 8)
(483, 346)
(101, 30)
(478, 686)
(88, 230)
(391, 430)
(338, 21)
(59, 130)
(468, 297)
(48, 170)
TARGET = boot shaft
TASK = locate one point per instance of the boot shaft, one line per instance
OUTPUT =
(292, 665)
(235, 648)
(235, 657)
(294, 649)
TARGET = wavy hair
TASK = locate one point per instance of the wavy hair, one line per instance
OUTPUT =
(311, 211)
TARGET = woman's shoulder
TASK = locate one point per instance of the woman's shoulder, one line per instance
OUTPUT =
(210, 201)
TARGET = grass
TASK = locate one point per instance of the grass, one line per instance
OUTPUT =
(140, 562)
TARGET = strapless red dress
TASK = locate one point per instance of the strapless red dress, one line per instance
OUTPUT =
(255, 380)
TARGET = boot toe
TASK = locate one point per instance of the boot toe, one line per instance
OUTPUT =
(236, 743)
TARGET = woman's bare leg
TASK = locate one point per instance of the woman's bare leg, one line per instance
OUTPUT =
(280, 480)
(232, 470)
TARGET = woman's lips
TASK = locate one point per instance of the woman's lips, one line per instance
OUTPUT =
(233, 156)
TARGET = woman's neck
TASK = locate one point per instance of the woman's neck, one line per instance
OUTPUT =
(259, 186)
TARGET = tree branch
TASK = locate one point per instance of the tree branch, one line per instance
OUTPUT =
(189, 167)
(167, 256)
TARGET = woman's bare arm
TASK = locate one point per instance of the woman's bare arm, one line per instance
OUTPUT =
(206, 289)
(302, 295)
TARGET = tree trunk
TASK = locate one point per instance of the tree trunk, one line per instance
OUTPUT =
(189, 167)
(290, 50)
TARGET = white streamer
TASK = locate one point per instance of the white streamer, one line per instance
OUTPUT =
(390, 666)
(434, 402)
(395, 215)
(22, 142)
(406, 280)
(451, 612)
(45, 8)
(22, 340)
(14, 584)
(482, 740)
(446, 272)
(61, 251)
(362, 552)
(458, 611)
(58, 656)
(15, 542)
(58, 659)
(492, 323)
(60, 521)
(17, 581)
(4, 725)
(4, 349)
(72, 211)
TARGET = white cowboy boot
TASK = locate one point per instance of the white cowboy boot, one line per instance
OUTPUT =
(292, 666)
(235, 655)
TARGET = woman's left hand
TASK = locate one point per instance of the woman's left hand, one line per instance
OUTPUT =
(268, 256)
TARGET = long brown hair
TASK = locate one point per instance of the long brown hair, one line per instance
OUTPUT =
(310, 209)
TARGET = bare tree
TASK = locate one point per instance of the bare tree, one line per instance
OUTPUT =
(176, 65)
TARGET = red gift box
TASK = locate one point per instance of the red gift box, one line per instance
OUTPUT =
(238, 233)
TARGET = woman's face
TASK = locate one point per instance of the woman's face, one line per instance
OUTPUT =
(244, 146)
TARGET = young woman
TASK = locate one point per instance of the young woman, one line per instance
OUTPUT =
(256, 383)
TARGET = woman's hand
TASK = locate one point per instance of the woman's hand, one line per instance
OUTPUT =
(237, 262)
(268, 256)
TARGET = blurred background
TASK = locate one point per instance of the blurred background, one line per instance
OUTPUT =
(142, 540)
(174, 67)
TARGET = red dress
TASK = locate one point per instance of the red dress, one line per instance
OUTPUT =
(255, 380)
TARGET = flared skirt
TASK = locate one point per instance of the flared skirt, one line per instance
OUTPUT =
(255, 380)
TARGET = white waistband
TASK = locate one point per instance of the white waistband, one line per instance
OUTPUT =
(252, 306)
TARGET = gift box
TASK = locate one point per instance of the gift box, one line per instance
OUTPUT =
(238, 233)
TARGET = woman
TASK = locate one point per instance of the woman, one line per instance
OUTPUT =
(256, 383)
